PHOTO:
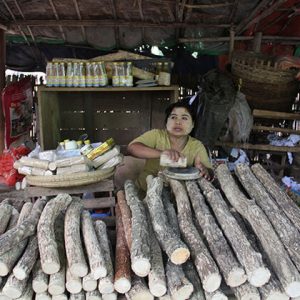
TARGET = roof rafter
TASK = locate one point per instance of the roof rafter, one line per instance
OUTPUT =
(109, 22)
(214, 5)
(79, 17)
(116, 28)
(57, 18)
(14, 18)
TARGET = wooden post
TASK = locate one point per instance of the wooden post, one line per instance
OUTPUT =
(231, 44)
(2, 84)
(257, 42)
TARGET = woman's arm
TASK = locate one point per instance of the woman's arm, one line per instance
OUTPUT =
(205, 172)
(140, 150)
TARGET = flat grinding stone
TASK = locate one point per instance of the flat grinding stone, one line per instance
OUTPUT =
(182, 173)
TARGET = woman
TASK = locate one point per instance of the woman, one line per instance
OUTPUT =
(173, 141)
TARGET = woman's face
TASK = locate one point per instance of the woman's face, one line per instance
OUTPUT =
(179, 122)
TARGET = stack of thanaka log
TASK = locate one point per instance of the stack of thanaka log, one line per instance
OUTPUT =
(242, 239)
(54, 250)
(184, 240)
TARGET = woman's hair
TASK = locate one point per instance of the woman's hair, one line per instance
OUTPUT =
(179, 104)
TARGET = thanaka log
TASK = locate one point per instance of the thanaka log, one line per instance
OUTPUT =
(39, 279)
(170, 242)
(5, 213)
(250, 259)
(73, 283)
(284, 268)
(204, 263)
(139, 290)
(140, 248)
(232, 271)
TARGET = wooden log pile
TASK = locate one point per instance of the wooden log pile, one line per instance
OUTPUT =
(205, 242)
(54, 250)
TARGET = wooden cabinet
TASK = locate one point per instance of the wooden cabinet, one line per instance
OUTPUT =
(121, 113)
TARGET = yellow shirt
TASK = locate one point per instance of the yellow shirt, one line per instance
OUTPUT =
(159, 139)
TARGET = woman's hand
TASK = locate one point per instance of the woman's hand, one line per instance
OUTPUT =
(203, 171)
(172, 154)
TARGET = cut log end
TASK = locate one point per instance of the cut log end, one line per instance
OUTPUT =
(3, 269)
(106, 287)
(79, 270)
(12, 292)
(277, 296)
(89, 285)
(212, 283)
(73, 287)
(141, 267)
(100, 272)
(259, 277)
(56, 289)
(19, 273)
(122, 285)
(39, 287)
(236, 277)
(112, 296)
(180, 256)
(158, 290)
(219, 296)
(145, 295)
(50, 267)
(293, 289)
(183, 292)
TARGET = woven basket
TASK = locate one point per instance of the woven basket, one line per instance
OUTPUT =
(259, 68)
(70, 180)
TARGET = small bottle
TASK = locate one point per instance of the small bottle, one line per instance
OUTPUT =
(81, 74)
(115, 75)
(49, 74)
(164, 77)
(95, 74)
(89, 75)
(103, 81)
(79, 144)
(76, 74)
(128, 74)
(87, 142)
(69, 75)
(122, 77)
(62, 74)
(159, 67)
(56, 74)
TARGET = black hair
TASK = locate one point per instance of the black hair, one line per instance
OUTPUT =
(179, 104)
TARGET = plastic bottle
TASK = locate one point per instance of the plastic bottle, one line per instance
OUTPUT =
(115, 75)
(89, 75)
(95, 74)
(122, 76)
(76, 74)
(81, 74)
(61, 74)
(56, 74)
(49, 74)
(103, 81)
(128, 74)
(69, 75)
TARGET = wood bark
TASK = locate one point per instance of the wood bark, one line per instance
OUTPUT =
(156, 277)
(205, 264)
(79, 296)
(39, 279)
(285, 270)
(46, 238)
(73, 243)
(122, 264)
(170, 242)
(272, 290)
(28, 293)
(73, 283)
(9, 258)
(14, 287)
(13, 219)
(139, 290)
(92, 246)
(126, 217)
(179, 286)
(288, 233)
(250, 259)
(93, 295)
(25, 264)
(89, 283)
(57, 281)
(111, 296)
(289, 207)
(166, 296)
(106, 284)
(246, 292)
(232, 271)
(5, 213)
(140, 248)
(192, 276)
(23, 230)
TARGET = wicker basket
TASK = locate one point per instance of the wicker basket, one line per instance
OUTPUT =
(70, 180)
(263, 83)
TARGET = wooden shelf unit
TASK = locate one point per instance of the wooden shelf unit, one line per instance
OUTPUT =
(121, 113)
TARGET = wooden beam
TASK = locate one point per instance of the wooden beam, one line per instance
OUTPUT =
(3, 27)
(79, 17)
(268, 114)
(2, 85)
(57, 18)
(275, 129)
(116, 28)
(264, 14)
(261, 5)
(109, 22)
(215, 5)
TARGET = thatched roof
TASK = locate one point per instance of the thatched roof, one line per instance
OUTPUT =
(127, 24)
